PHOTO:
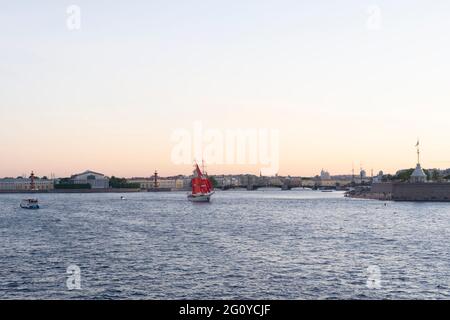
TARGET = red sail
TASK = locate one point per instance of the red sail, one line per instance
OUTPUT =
(205, 186)
(200, 184)
(196, 185)
(198, 172)
(209, 185)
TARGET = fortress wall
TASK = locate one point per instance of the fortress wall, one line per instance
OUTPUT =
(409, 191)
(421, 191)
(383, 188)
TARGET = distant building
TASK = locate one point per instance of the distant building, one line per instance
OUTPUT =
(418, 175)
(164, 183)
(22, 184)
(172, 184)
(275, 181)
(144, 183)
(228, 180)
(325, 175)
(378, 178)
(247, 180)
(95, 179)
(363, 174)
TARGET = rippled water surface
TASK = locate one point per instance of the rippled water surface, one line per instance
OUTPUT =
(243, 245)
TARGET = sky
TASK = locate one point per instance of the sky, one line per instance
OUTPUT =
(342, 82)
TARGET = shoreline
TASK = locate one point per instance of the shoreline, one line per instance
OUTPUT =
(72, 191)
(111, 190)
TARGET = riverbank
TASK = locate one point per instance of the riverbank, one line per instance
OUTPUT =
(109, 190)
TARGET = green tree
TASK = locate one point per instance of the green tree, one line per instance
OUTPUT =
(122, 183)
(403, 175)
(213, 182)
(435, 176)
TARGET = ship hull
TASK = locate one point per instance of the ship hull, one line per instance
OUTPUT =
(30, 207)
(200, 197)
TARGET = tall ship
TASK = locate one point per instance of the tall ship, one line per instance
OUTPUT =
(202, 188)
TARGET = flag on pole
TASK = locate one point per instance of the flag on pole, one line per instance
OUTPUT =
(417, 144)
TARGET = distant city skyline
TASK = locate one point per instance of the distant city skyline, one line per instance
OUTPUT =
(343, 83)
(327, 175)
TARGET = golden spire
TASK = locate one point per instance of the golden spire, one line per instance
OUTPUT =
(418, 151)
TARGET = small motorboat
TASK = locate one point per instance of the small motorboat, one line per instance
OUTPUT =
(123, 198)
(29, 204)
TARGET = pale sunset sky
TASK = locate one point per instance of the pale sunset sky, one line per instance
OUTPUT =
(342, 81)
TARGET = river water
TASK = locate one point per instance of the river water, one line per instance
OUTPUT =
(244, 245)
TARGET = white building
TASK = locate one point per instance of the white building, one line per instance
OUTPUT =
(95, 179)
(228, 181)
(149, 183)
(144, 183)
(167, 184)
(22, 184)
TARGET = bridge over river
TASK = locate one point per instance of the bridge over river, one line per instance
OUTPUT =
(250, 182)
